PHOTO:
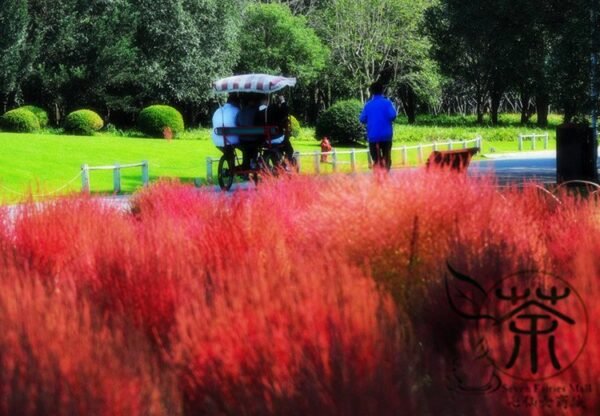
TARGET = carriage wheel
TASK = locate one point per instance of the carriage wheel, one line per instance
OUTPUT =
(270, 163)
(226, 172)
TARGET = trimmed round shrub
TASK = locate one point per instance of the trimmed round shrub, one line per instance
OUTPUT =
(155, 120)
(39, 112)
(19, 121)
(84, 122)
(294, 126)
(340, 122)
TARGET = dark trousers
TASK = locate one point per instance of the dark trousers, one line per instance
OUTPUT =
(249, 152)
(381, 153)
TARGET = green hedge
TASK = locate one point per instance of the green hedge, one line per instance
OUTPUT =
(19, 121)
(340, 122)
(39, 112)
(83, 122)
(294, 126)
(153, 121)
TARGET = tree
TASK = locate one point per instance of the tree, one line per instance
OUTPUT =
(378, 40)
(57, 45)
(274, 41)
(571, 48)
(14, 19)
(472, 42)
(301, 7)
(184, 45)
(411, 72)
(112, 60)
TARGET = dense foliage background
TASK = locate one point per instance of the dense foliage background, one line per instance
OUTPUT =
(436, 56)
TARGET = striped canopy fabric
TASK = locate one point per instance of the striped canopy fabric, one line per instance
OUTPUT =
(259, 83)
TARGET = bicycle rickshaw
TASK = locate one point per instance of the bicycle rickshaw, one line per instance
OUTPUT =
(271, 158)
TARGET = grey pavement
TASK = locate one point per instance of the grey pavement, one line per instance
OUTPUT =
(507, 167)
(517, 167)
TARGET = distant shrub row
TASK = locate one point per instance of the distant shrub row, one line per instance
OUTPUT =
(153, 121)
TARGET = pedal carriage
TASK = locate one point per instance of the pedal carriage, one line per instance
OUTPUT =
(271, 158)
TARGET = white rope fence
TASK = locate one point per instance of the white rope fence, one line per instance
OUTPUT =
(533, 138)
(51, 193)
(116, 168)
(349, 157)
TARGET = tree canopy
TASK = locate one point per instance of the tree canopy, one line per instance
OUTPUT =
(273, 40)
(118, 56)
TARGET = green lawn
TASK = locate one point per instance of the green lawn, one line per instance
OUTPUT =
(44, 162)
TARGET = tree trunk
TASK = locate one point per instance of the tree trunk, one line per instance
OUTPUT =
(495, 105)
(479, 110)
(314, 105)
(525, 110)
(542, 102)
(409, 101)
(56, 115)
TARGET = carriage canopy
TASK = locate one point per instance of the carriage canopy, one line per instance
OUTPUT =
(257, 83)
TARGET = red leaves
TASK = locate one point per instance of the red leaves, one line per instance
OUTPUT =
(308, 296)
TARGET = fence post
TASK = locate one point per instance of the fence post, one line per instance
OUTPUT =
(420, 153)
(85, 179)
(353, 160)
(145, 173)
(546, 141)
(479, 143)
(404, 155)
(209, 169)
(450, 144)
(317, 161)
(434, 146)
(520, 142)
(117, 178)
(334, 160)
(533, 138)
(464, 144)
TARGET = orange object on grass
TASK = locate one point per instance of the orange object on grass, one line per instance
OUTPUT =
(325, 147)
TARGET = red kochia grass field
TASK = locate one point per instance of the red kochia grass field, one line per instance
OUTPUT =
(303, 297)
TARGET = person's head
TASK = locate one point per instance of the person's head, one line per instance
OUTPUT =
(253, 100)
(233, 99)
(264, 99)
(376, 88)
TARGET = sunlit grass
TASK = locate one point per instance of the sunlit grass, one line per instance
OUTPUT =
(47, 162)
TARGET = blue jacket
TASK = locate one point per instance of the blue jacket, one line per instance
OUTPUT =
(378, 115)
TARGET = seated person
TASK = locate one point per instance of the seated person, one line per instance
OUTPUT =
(225, 116)
(276, 114)
(246, 118)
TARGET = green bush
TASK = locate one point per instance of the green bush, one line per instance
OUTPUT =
(39, 112)
(83, 122)
(294, 127)
(19, 121)
(340, 123)
(155, 119)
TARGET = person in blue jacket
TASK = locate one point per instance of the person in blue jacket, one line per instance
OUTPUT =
(379, 114)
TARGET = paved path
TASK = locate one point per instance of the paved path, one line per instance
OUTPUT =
(510, 167)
